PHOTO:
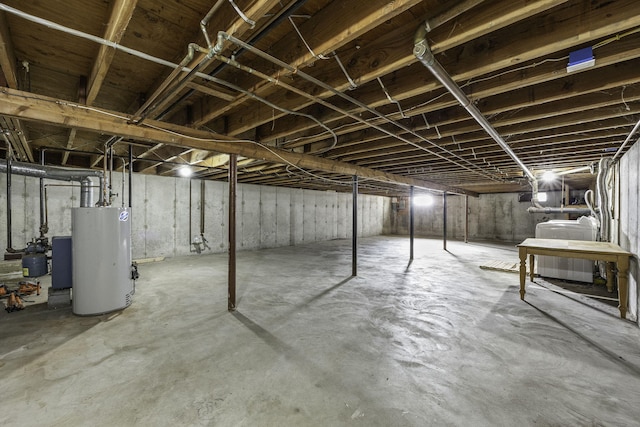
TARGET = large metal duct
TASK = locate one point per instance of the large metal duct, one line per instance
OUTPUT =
(83, 176)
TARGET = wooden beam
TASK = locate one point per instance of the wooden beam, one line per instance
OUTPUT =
(567, 94)
(8, 66)
(70, 142)
(169, 88)
(208, 90)
(121, 13)
(394, 51)
(29, 106)
(7, 56)
(196, 156)
(333, 27)
(408, 86)
(215, 161)
(95, 160)
(528, 46)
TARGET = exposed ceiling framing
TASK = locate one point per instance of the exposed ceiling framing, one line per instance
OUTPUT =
(322, 89)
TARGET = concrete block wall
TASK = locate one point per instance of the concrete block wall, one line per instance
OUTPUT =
(163, 224)
(491, 217)
(628, 221)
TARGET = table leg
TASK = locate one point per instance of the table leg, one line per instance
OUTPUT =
(531, 266)
(522, 252)
(623, 296)
(610, 267)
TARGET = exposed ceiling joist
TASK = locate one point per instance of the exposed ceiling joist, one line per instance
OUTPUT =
(7, 55)
(121, 12)
(8, 61)
(510, 58)
(31, 107)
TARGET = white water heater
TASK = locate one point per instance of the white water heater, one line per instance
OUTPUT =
(101, 255)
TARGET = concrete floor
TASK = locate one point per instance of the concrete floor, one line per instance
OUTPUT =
(439, 342)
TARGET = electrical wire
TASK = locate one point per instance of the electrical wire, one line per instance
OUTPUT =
(471, 168)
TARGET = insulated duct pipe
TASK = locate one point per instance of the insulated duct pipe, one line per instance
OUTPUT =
(602, 196)
(61, 174)
(423, 53)
(562, 210)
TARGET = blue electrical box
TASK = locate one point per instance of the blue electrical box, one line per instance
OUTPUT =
(61, 262)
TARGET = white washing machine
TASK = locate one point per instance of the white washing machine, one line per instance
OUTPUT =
(579, 270)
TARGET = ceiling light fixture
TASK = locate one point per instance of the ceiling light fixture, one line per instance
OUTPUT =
(423, 200)
(185, 171)
(549, 176)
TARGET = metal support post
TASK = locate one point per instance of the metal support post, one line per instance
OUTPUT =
(233, 180)
(444, 220)
(130, 175)
(466, 219)
(411, 223)
(354, 234)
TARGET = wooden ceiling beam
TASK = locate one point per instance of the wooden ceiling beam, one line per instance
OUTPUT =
(223, 94)
(402, 154)
(8, 68)
(7, 55)
(524, 125)
(170, 87)
(333, 27)
(163, 153)
(29, 106)
(565, 96)
(397, 54)
(121, 13)
(411, 160)
(487, 148)
(407, 84)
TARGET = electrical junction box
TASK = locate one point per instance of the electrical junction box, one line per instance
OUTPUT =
(580, 59)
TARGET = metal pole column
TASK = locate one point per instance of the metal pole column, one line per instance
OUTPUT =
(9, 243)
(444, 220)
(42, 225)
(202, 195)
(130, 175)
(233, 180)
(466, 219)
(354, 233)
(411, 223)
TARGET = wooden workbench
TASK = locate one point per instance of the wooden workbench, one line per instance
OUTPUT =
(613, 254)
